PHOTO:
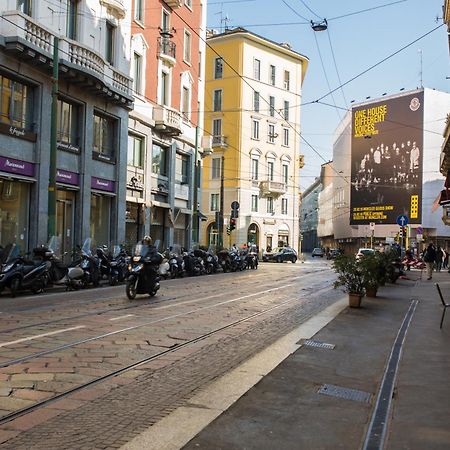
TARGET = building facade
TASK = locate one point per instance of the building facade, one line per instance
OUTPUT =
(252, 97)
(309, 216)
(93, 101)
(164, 138)
(406, 165)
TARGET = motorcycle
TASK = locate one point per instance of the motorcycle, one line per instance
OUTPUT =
(18, 273)
(224, 260)
(90, 265)
(119, 263)
(143, 271)
(109, 264)
(251, 258)
(176, 262)
(194, 264)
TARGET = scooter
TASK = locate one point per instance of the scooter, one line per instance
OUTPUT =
(90, 265)
(19, 273)
(143, 272)
(176, 262)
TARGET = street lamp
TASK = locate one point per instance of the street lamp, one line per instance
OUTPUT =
(319, 26)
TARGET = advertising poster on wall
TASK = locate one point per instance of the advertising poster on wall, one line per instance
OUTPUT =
(386, 158)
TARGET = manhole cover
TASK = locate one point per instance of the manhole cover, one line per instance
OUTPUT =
(346, 393)
(312, 343)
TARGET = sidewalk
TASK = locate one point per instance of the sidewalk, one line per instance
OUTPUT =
(285, 411)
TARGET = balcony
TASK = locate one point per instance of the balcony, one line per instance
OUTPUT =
(116, 7)
(271, 188)
(219, 141)
(167, 50)
(167, 120)
(174, 4)
(78, 64)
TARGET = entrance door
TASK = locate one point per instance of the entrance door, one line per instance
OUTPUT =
(65, 205)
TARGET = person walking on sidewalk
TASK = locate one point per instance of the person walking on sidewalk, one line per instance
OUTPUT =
(439, 257)
(429, 258)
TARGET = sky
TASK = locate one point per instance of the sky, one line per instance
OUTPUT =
(350, 46)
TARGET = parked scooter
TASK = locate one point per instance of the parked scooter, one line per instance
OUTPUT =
(176, 262)
(194, 264)
(251, 258)
(143, 271)
(224, 260)
(90, 265)
(119, 263)
(18, 273)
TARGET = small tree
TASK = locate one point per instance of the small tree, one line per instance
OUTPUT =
(373, 268)
(350, 275)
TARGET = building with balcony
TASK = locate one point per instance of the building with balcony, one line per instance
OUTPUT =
(252, 96)
(165, 141)
(93, 100)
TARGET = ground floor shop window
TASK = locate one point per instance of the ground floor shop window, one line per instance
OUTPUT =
(180, 230)
(157, 229)
(14, 213)
(100, 219)
(283, 240)
(65, 216)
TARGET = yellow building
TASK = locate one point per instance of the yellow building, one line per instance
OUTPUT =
(252, 111)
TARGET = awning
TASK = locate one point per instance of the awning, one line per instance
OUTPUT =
(201, 216)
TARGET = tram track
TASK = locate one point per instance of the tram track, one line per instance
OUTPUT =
(177, 346)
(139, 304)
(47, 352)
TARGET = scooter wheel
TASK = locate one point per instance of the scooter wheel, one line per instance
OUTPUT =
(14, 286)
(113, 280)
(152, 293)
(130, 289)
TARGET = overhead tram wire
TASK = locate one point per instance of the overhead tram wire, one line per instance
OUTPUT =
(335, 65)
(310, 10)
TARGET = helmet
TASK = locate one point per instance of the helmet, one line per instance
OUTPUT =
(147, 240)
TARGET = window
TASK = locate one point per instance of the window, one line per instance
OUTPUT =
(256, 69)
(165, 88)
(214, 205)
(270, 205)
(285, 170)
(139, 10)
(255, 101)
(104, 135)
(255, 168)
(187, 47)
(271, 133)
(272, 106)
(186, 103)
(272, 75)
(284, 206)
(109, 42)
(216, 168)
(218, 68)
(24, 6)
(135, 151)
(165, 22)
(286, 110)
(217, 127)
(255, 129)
(270, 167)
(286, 137)
(182, 168)
(286, 80)
(137, 72)
(68, 123)
(254, 203)
(16, 107)
(159, 159)
(217, 100)
(71, 26)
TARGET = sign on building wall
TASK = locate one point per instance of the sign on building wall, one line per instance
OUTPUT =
(386, 155)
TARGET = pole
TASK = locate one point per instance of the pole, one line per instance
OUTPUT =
(195, 223)
(222, 178)
(371, 238)
(51, 228)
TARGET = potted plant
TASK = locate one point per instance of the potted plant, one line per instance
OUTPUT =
(374, 272)
(350, 277)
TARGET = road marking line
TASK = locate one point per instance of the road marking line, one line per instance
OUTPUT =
(4, 344)
(122, 317)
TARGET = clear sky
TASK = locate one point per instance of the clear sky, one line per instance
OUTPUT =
(350, 46)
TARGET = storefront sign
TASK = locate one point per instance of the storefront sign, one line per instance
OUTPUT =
(64, 176)
(103, 185)
(68, 147)
(16, 166)
(17, 132)
(103, 157)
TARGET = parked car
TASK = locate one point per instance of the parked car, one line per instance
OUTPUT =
(333, 253)
(281, 254)
(317, 252)
(364, 251)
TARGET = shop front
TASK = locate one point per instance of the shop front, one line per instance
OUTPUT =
(135, 208)
(102, 198)
(283, 236)
(66, 196)
(16, 182)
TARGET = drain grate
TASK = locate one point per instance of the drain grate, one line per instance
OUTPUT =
(312, 343)
(346, 393)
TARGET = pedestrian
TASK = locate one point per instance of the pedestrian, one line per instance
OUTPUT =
(445, 262)
(429, 257)
(439, 256)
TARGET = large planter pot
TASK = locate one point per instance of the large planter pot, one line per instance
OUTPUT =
(354, 300)
(371, 291)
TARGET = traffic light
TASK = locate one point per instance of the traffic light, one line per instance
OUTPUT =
(402, 232)
(232, 224)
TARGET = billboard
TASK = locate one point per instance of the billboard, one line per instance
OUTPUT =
(386, 159)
